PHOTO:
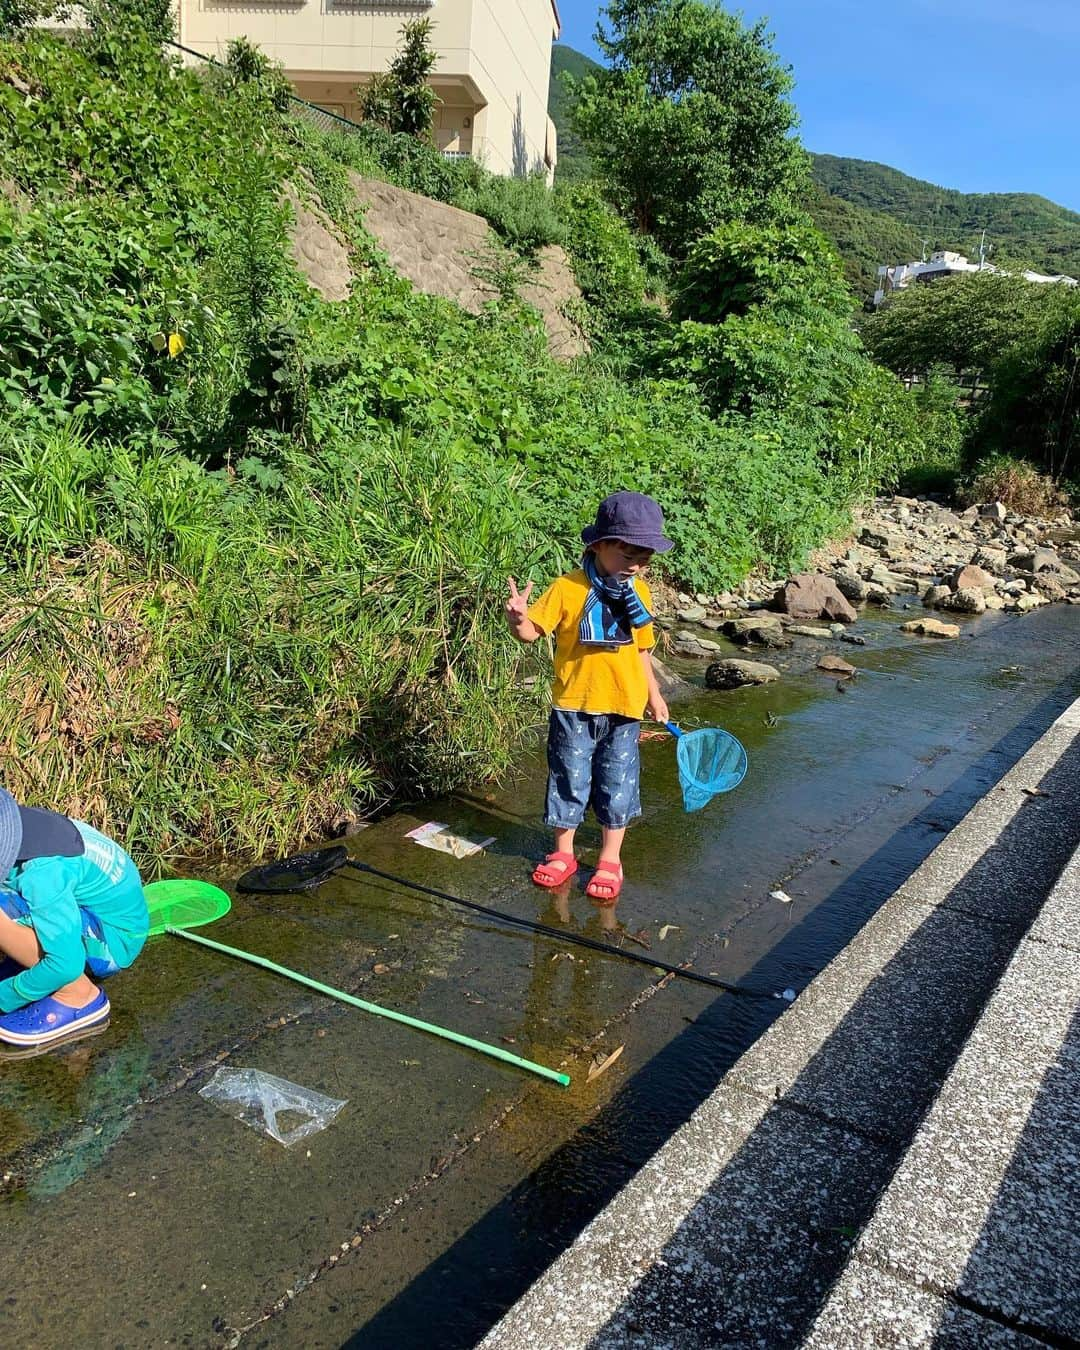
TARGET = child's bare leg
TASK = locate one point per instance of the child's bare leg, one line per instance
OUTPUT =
(564, 843)
(78, 993)
(611, 842)
(19, 941)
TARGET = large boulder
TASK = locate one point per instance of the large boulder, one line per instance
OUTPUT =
(991, 559)
(1030, 600)
(936, 596)
(971, 577)
(671, 685)
(892, 582)
(836, 665)
(1036, 560)
(967, 600)
(1046, 583)
(884, 541)
(809, 595)
(686, 643)
(850, 585)
(733, 674)
(757, 630)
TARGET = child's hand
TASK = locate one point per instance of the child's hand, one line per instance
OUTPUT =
(517, 607)
(657, 708)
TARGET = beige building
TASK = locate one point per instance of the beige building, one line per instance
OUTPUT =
(492, 74)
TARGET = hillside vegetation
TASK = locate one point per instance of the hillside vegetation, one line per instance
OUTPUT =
(1020, 226)
(863, 238)
(573, 157)
(253, 544)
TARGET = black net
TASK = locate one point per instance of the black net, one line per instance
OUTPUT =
(301, 872)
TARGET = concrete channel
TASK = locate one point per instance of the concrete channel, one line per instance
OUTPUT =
(896, 1162)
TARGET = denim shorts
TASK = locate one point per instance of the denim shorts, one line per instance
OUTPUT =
(99, 960)
(593, 760)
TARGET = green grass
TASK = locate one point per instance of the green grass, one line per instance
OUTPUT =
(262, 664)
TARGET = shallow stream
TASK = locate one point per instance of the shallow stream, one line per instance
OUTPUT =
(448, 1181)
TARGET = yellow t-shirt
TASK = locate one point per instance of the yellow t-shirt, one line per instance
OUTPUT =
(592, 678)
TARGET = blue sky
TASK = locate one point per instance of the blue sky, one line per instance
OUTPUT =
(979, 95)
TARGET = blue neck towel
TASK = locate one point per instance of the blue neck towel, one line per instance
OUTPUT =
(612, 611)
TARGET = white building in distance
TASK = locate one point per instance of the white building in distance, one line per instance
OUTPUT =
(942, 263)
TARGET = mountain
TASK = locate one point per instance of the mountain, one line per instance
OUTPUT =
(876, 214)
(863, 238)
(573, 157)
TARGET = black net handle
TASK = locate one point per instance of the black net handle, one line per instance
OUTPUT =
(578, 939)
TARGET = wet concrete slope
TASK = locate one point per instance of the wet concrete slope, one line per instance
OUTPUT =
(736, 1230)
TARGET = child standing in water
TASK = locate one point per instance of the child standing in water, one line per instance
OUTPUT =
(600, 616)
(72, 910)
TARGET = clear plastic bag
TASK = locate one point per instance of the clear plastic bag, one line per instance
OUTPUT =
(435, 835)
(259, 1099)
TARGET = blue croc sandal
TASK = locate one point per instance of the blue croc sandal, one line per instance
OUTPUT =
(47, 1020)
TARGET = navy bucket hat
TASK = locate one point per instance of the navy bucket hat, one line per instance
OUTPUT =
(631, 517)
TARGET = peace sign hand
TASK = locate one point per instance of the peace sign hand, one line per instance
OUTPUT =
(517, 606)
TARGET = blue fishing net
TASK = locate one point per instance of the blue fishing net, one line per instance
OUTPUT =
(710, 761)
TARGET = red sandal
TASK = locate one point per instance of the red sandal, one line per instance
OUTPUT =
(610, 876)
(549, 877)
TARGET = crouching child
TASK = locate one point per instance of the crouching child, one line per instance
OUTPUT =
(72, 912)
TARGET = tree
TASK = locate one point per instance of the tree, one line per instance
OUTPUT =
(110, 21)
(15, 15)
(691, 125)
(1034, 402)
(401, 99)
(964, 322)
(1020, 337)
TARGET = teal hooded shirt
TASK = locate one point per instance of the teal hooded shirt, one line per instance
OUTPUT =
(104, 881)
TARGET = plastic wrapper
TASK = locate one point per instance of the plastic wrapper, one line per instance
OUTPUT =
(285, 1111)
(435, 835)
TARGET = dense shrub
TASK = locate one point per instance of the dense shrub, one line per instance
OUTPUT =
(1017, 484)
(233, 668)
(520, 210)
(739, 266)
(607, 262)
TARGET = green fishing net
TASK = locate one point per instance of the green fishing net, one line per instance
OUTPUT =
(184, 904)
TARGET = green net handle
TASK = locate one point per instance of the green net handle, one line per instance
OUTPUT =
(494, 1051)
